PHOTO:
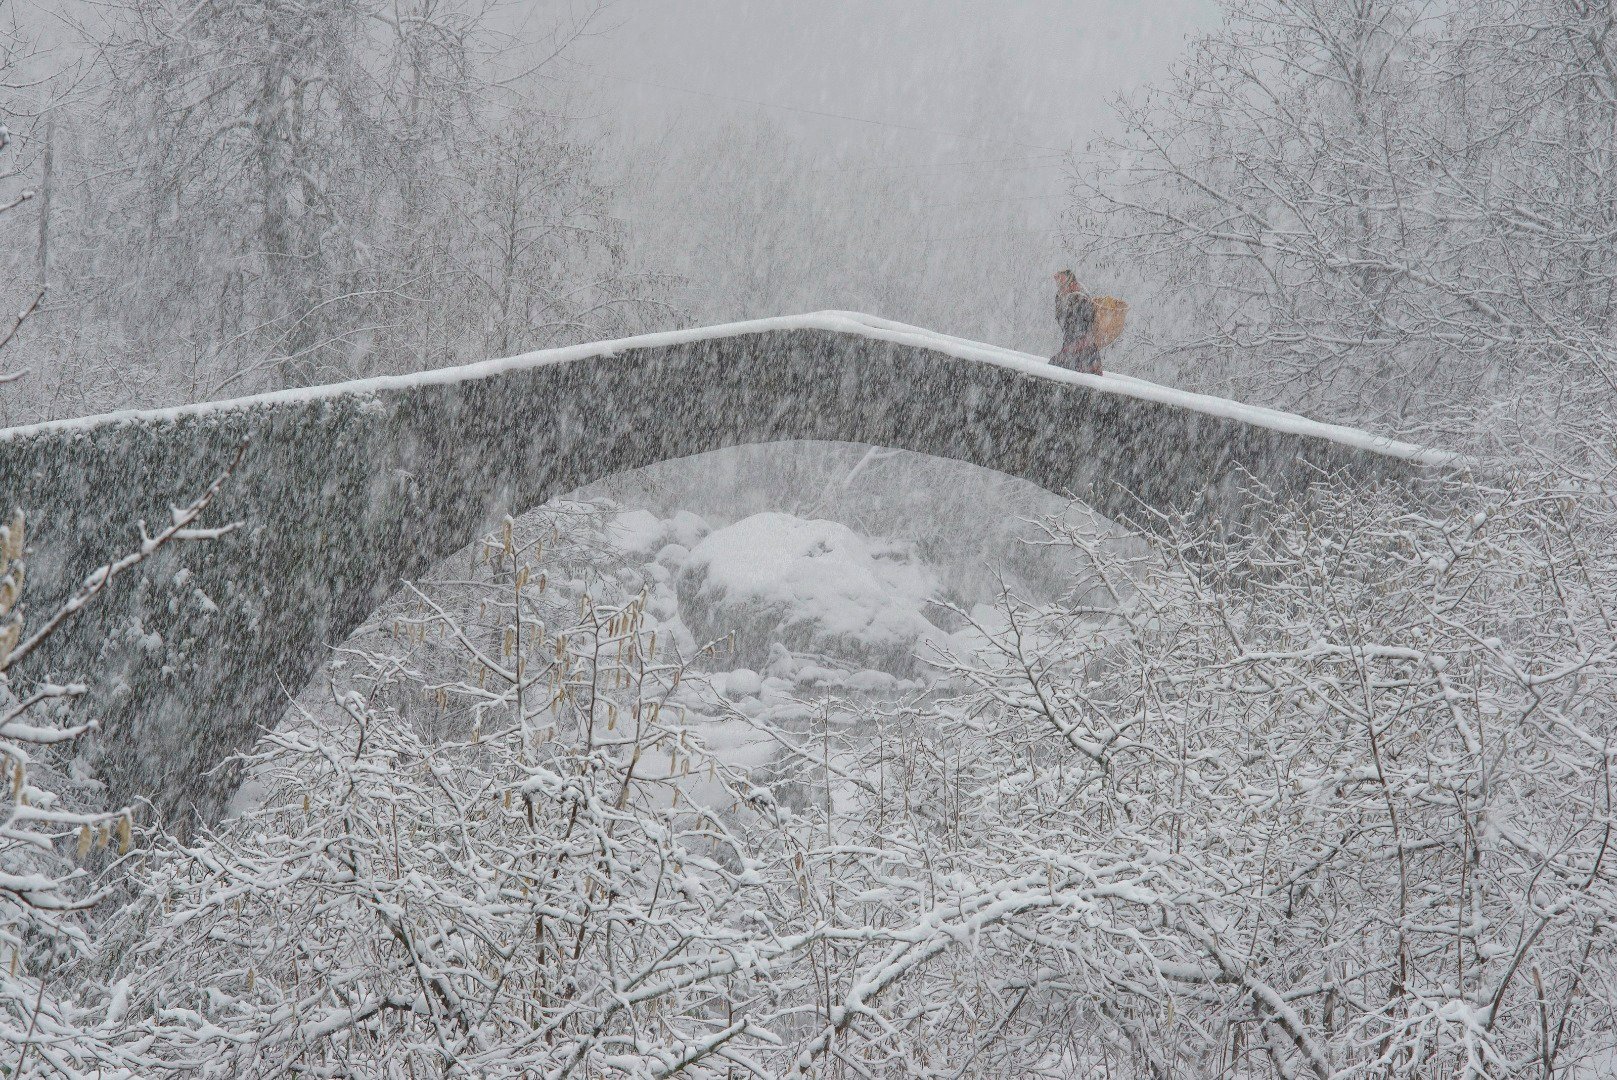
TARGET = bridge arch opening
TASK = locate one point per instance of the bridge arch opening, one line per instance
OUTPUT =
(833, 570)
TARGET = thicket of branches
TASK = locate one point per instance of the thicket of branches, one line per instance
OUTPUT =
(1356, 773)
(1393, 212)
(1332, 800)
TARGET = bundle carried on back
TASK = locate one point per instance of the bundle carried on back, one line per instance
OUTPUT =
(1110, 315)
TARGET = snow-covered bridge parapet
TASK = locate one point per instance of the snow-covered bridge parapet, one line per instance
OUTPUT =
(344, 490)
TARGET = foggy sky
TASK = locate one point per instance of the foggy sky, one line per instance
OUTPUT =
(967, 106)
(1031, 72)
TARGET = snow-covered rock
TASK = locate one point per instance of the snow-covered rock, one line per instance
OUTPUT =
(810, 585)
(642, 532)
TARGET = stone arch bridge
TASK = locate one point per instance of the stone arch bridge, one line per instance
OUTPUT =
(343, 490)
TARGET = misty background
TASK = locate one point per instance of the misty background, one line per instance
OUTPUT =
(907, 159)
(817, 758)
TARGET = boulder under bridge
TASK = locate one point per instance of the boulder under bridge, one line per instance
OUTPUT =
(342, 491)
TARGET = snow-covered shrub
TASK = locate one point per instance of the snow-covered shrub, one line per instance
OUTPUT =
(1355, 772)
(54, 839)
(502, 850)
(495, 873)
(1329, 800)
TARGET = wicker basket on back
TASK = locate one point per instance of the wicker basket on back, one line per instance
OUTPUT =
(1110, 315)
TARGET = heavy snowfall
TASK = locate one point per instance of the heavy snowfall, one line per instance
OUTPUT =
(809, 757)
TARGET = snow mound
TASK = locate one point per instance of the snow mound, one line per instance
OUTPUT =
(812, 586)
(642, 532)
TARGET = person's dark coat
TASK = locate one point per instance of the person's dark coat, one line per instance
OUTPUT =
(1075, 314)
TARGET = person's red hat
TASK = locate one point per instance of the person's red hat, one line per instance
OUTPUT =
(1067, 281)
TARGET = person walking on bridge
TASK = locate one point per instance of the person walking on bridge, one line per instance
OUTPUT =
(1088, 324)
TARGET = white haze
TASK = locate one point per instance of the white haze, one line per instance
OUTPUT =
(811, 758)
(933, 192)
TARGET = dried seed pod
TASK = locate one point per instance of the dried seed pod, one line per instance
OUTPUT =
(8, 640)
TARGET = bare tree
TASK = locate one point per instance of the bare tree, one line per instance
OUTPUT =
(271, 195)
(1385, 210)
